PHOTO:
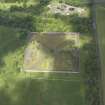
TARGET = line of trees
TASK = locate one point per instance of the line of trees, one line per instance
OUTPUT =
(16, 20)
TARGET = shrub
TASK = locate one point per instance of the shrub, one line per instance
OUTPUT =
(92, 74)
(17, 20)
(44, 2)
(81, 24)
(16, 8)
(23, 34)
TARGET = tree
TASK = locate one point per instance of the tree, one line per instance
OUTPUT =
(25, 3)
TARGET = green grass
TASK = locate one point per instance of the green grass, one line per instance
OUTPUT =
(18, 88)
(100, 16)
(30, 91)
(75, 2)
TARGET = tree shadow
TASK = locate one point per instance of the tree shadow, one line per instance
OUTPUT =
(91, 73)
(15, 37)
(4, 97)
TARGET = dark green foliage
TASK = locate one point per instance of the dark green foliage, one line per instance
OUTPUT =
(11, 1)
(79, 24)
(82, 24)
(23, 34)
(92, 74)
(16, 20)
(16, 8)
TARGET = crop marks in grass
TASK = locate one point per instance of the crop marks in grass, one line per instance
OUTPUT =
(52, 52)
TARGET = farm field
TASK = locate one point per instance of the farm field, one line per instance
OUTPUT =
(17, 87)
(100, 17)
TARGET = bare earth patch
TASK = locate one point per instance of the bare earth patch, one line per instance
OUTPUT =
(52, 52)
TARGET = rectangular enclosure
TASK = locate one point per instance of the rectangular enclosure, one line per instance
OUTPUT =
(52, 52)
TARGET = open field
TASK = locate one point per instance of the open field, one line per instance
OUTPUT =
(26, 91)
(100, 16)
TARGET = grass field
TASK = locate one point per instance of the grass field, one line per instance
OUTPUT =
(26, 91)
(18, 88)
(100, 16)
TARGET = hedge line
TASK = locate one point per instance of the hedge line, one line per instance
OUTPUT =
(16, 20)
